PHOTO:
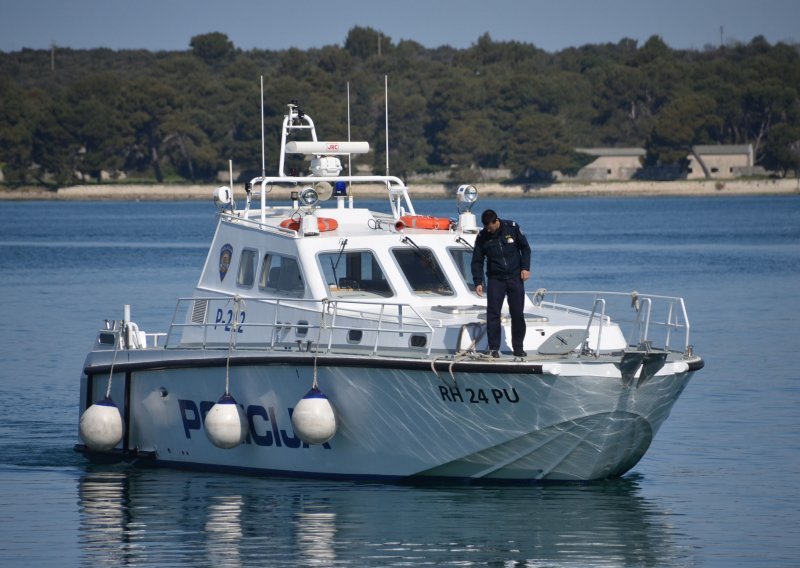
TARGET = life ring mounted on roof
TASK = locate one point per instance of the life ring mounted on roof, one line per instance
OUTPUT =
(423, 222)
(324, 224)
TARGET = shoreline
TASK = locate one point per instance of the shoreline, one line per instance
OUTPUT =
(685, 188)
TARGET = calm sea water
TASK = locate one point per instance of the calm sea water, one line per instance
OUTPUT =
(719, 486)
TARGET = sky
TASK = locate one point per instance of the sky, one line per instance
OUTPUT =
(551, 25)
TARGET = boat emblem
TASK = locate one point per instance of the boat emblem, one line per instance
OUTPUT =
(225, 255)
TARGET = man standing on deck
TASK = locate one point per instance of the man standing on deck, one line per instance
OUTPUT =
(508, 261)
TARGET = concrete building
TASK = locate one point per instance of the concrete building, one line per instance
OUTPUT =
(611, 163)
(615, 164)
(722, 161)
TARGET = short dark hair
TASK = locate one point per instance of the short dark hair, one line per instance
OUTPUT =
(488, 217)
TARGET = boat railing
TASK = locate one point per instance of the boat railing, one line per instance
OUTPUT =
(326, 326)
(126, 334)
(396, 190)
(659, 320)
(246, 218)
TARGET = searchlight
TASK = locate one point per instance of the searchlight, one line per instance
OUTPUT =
(466, 196)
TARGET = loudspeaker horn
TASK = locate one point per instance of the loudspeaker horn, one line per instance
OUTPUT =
(324, 190)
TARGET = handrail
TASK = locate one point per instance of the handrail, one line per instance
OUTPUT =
(651, 312)
(602, 303)
(648, 302)
(402, 324)
(652, 316)
(259, 224)
(397, 190)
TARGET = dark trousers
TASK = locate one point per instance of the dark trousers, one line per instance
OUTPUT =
(498, 290)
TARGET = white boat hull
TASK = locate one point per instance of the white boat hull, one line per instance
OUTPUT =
(497, 420)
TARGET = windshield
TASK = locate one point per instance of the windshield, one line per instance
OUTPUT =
(422, 271)
(463, 259)
(353, 274)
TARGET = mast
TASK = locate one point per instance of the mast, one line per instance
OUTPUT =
(349, 156)
(386, 98)
(263, 139)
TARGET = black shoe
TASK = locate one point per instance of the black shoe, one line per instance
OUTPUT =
(493, 353)
(519, 353)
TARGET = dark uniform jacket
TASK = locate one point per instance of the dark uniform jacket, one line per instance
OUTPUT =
(506, 251)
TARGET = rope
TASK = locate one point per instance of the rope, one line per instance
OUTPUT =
(635, 300)
(319, 335)
(117, 342)
(237, 307)
(468, 353)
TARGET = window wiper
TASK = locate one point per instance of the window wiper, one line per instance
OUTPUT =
(416, 248)
(465, 242)
(426, 256)
(343, 243)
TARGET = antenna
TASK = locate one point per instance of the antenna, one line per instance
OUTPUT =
(263, 140)
(230, 173)
(349, 156)
(386, 97)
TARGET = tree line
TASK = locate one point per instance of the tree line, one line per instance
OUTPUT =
(180, 116)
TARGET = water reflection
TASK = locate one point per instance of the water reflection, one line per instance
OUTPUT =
(155, 517)
(106, 527)
(223, 530)
(315, 529)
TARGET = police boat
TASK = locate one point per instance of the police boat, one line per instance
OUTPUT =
(328, 340)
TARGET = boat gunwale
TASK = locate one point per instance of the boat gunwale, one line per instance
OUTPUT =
(481, 365)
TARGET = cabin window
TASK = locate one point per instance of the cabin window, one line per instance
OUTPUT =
(107, 339)
(280, 275)
(247, 268)
(353, 274)
(422, 271)
(463, 259)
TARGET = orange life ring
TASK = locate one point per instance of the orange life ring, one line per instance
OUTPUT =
(423, 222)
(323, 224)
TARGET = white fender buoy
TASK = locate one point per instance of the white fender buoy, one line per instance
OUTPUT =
(101, 425)
(225, 423)
(313, 419)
